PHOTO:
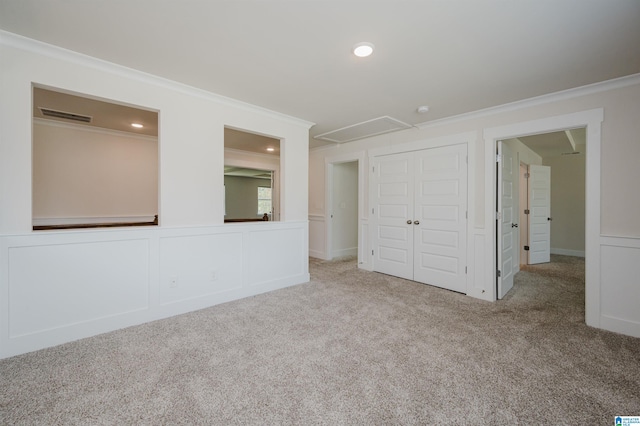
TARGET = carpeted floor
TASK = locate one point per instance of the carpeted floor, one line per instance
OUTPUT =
(350, 347)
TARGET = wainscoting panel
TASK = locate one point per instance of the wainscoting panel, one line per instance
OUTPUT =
(316, 237)
(276, 254)
(620, 286)
(477, 283)
(53, 286)
(199, 265)
(59, 286)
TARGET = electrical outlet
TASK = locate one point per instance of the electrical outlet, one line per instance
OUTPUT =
(214, 275)
(173, 281)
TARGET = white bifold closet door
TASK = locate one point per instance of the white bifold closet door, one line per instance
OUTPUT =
(420, 215)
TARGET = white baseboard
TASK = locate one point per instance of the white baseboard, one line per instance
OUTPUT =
(351, 251)
(565, 252)
(316, 253)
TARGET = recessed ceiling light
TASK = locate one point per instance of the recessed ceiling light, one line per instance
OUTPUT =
(363, 49)
(270, 149)
(137, 125)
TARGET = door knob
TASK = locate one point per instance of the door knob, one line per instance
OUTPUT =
(549, 219)
(514, 225)
(416, 222)
(409, 222)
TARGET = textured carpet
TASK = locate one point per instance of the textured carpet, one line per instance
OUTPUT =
(350, 347)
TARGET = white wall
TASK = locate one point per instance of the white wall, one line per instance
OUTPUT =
(58, 286)
(567, 204)
(242, 196)
(81, 173)
(345, 209)
(616, 227)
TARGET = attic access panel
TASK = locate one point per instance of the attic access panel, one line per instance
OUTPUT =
(374, 127)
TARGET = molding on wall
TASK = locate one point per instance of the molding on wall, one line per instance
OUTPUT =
(52, 221)
(56, 52)
(603, 86)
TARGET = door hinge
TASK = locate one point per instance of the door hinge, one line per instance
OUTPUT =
(372, 211)
(526, 248)
(465, 269)
(498, 216)
(499, 273)
(373, 169)
(526, 211)
(527, 175)
(371, 252)
(498, 158)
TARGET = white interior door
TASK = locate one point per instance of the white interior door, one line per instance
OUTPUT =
(539, 214)
(419, 204)
(440, 218)
(506, 220)
(393, 184)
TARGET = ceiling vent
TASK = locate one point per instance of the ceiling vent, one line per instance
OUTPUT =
(377, 126)
(65, 115)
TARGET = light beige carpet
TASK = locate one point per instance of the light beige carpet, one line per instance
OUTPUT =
(350, 347)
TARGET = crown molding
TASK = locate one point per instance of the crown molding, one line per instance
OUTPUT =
(603, 86)
(41, 48)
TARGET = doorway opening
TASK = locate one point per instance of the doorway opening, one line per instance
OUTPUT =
(344, 210)
(547, 192)
(592, 121)
(344, 202)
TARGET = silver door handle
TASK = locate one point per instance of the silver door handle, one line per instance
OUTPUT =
(416, 222)
(409, 222)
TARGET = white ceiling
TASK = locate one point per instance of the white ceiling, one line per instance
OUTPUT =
(295, 57)
(556, 144)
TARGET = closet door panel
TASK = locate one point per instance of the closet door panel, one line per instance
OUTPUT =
(440, 207)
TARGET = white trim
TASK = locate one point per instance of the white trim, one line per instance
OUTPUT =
(616, 241)
(590, 89)
(566, 252)
(93, 129)
(56, 52)
(592, 120)
(52, 221)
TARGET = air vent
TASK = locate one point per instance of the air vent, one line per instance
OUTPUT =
(65, 115)
(571, 153)
(377, 126)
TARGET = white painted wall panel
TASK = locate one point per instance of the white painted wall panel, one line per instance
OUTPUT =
(201, 265)
(316, 237)
(53, 286)
(276, 254)
(619, 299)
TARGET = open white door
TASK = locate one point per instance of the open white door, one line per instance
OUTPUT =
(540, 214)
(505, 225)
(393, 182)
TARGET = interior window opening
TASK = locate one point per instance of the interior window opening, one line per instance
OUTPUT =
(94, 162)
(251, 177)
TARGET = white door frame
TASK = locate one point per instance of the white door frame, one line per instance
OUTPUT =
(592, 120)
(329, 162)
